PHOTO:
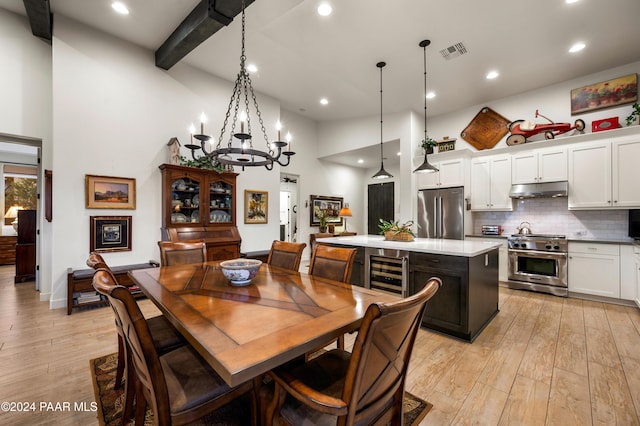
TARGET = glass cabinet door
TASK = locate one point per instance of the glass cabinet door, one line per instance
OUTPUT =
(185, 200)
(220, 202)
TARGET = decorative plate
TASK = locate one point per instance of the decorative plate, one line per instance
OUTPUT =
(179, 185)
(195, 200)
(219, 216)
(178, 218)
(195, 216)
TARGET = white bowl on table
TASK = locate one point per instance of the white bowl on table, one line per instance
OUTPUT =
(240, 271)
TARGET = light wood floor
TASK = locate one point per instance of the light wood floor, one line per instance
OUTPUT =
(542, 360)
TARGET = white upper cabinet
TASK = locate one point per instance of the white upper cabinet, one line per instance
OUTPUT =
(540, 165)
(626, 174)
(491, 182)
(604, 175)
(451, 173)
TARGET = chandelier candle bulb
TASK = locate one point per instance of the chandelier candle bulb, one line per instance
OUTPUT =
(289, 141)
(278, 128)
(203, 119)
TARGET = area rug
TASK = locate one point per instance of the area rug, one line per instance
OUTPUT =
(110, 401)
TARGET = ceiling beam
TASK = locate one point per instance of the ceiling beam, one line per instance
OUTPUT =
(205, 19)
(39, 14)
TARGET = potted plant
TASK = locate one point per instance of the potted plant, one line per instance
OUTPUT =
(428, 144)
(393, 231)
(322, 217)
(633, 117)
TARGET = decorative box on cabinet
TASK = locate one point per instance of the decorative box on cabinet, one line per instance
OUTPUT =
(26, 246)
(200, 204)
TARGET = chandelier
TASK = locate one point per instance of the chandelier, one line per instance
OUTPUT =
(425, 167)
(238, 149)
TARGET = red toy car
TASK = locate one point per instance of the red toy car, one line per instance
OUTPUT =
(523, 129)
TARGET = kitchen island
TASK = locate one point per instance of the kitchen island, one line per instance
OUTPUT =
(468, 298)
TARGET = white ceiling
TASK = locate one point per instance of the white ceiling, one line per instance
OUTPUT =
(302, 56)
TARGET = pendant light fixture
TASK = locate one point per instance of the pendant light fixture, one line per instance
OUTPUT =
(382, 173)
(242, 153)
(425, 167)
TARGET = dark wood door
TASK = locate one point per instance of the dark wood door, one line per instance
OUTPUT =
(381, 202)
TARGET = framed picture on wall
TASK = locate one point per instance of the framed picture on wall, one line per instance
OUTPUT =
(110, 233)
(610, 93)
(256, 206)
(107, 192)
(330, 206)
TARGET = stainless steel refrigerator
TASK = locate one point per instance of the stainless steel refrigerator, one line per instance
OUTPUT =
(441, 213)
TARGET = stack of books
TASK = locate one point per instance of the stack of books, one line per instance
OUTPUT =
(87, 297)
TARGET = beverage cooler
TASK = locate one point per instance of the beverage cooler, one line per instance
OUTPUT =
(387, 270)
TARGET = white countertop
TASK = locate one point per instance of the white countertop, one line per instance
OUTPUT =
(464, 248)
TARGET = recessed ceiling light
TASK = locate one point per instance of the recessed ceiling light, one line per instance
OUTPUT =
(577, 47)
(360, 161)
(120, 8)
(324, 101)
(324, 9)
(252, 68)
(570, 1)
(492, 75)
(398, 154)
(431, 95)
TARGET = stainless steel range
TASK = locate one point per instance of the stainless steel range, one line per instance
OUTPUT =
(538, 263)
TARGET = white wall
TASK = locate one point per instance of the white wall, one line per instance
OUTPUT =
(25, 109)
(114, 112)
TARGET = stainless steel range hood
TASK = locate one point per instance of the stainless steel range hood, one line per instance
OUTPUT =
(540, 190)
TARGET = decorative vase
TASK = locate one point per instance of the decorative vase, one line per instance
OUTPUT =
(322, 229)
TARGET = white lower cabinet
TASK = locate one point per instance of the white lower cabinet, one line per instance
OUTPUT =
(594, 268)
(503, 256)
(627, 272)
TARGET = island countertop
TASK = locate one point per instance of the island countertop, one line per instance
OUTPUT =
(465, 248)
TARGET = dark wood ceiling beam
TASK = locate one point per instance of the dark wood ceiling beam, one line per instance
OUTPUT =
(208, 17)
(39, 14)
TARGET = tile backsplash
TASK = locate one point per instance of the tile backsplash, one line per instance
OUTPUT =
(551, 216)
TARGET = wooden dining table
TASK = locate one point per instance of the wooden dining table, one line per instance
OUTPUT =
(243, 332)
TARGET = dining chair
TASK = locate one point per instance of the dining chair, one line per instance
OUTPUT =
(179, 386)
(182, 252)
(165, 338)
(314, 237)
(365, 386)
(334, 263)
(286, 255)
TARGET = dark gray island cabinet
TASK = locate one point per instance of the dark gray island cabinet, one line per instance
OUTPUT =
(468, 298)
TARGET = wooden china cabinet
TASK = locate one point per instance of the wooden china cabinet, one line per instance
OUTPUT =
(200, 204)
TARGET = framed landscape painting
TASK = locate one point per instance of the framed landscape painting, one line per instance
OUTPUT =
(256, 206)
(329, 205)
(110, 233)
(107, 192)
(610, 93)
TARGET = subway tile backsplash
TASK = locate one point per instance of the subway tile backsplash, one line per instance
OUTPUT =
(551, 216)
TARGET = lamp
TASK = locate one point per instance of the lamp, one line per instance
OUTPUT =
(425, 167)
(244, 154)
(382, 173)
(345, 212)
(12, 213)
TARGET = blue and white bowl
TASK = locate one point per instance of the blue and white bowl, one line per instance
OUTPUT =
(240, 271)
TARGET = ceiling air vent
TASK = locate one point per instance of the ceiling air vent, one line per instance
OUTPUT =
(454, 51)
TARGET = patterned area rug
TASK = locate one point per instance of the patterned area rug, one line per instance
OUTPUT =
(110, 401)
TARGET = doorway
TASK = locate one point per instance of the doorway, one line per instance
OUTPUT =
(20, 168)
(289, 207)
(380, 199)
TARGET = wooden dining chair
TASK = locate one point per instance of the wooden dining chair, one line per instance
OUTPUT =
(182, 252)
(165, 338)
(286, 255)
(365, 386)
(179, 386)
(334, 263)
(314, 237)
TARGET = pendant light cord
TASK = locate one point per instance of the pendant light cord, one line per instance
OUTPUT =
(424, 48)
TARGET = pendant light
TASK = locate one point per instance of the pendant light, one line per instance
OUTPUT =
(382, 173)
(425, 167)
